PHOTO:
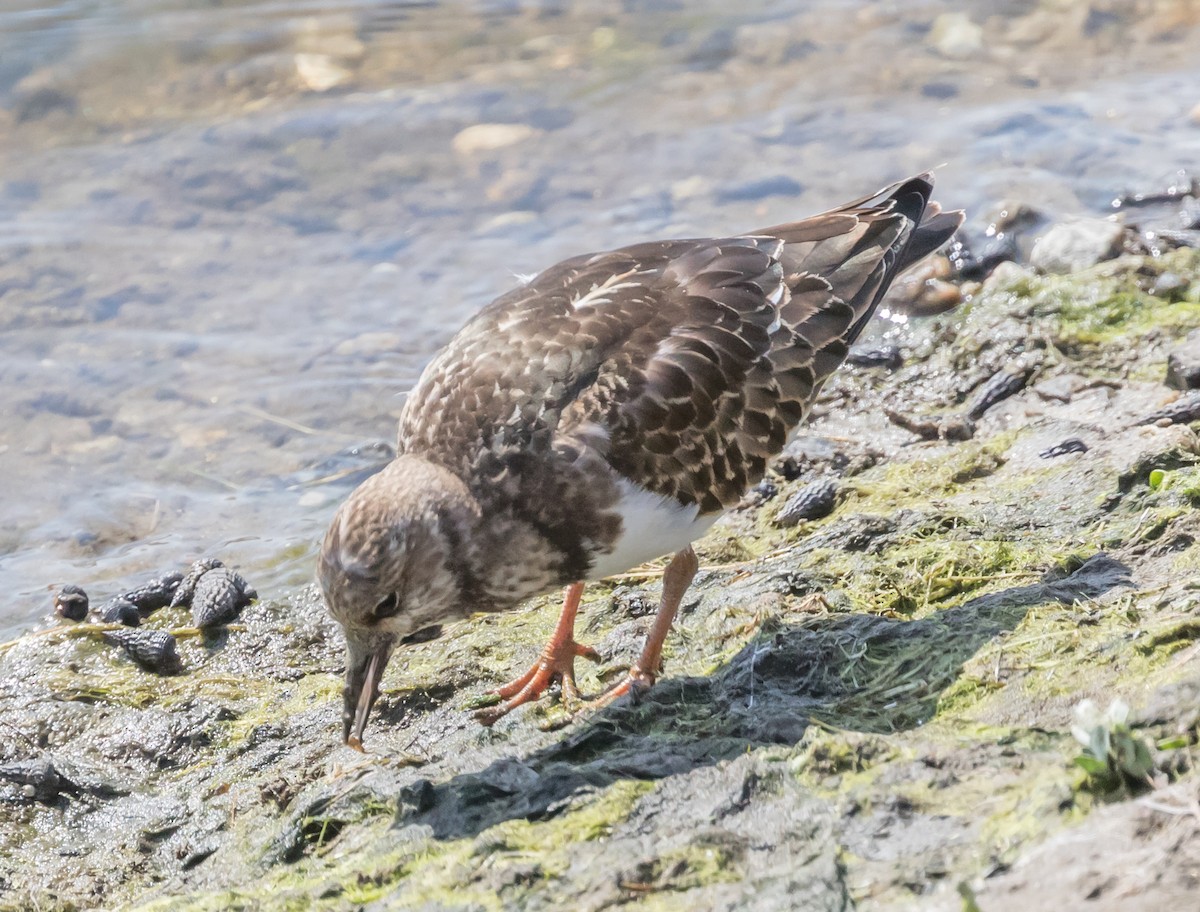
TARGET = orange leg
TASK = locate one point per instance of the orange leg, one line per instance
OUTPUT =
(556, 662)
(676, 579)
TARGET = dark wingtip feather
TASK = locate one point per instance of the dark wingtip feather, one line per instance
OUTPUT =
(931, 234)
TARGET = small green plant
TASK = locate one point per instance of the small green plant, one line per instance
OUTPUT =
(1115, 760)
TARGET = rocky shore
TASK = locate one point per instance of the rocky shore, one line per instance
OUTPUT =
(868, 702)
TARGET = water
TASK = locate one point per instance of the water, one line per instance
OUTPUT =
(232, 233)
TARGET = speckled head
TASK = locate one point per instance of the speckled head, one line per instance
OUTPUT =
(394, 563)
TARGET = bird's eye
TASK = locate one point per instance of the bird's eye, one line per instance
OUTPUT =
(388, 606)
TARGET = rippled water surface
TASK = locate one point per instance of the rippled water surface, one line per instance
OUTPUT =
(231, 233)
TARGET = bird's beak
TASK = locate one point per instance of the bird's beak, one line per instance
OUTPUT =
(365, 661)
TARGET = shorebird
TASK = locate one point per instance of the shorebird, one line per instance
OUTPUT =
(603, 414)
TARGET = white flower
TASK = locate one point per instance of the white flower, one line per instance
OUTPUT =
(1091, 728)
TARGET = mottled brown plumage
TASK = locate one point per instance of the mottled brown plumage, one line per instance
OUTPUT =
(646, 386)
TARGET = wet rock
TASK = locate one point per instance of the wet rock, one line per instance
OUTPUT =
(1170, 286)
(1077, 244)
(814, 501)
(948, 427)
(119, 610)
(1014, 219)
(38, 780)
(941, 91)
(1006, 275)
(717, 47)
(815, 455)
(41, 102)
(759, 494)
(977, 262)
(771, 43)
(71, 603)
(759, 189)
(860, 532)
(481, 138)
(954, 35)
(886, 356)
(629, 601)
(320, 72)
(999, 387)
(1183, 410)
(1183, 186)
(215, 593)
(1061, 388)
(924, 290)
(154, 650)
(1183, 364)
(1070, 445)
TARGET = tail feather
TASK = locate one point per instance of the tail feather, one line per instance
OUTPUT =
(922, 229)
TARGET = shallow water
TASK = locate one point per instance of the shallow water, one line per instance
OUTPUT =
(230, 235)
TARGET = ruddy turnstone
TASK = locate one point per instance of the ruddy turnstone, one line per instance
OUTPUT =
(605, 413)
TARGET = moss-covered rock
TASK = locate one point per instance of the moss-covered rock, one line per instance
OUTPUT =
(873, 707)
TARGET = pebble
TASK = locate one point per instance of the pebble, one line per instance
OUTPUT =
(479, 138)
(759, 494)
(1170, 286)
(1077, 244)
(924, 291)
(1183, 364)
(1061, 388)
(39, 779)
(954, 35)
(1182, 411)
(977, 264)
(813, 501)
(949, 427)
(320, 73)
(1005, 275)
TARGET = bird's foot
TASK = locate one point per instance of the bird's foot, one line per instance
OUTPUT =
(635, 683)
(557, 663)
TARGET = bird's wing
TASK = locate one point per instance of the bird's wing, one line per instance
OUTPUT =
(506, 379)
(685, 364)
(696, 412)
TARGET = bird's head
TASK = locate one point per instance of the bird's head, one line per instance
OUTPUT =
(392, 564)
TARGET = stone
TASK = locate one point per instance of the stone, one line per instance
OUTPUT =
(1061, 388)
(1183, 364)
(1077, 244)
(479, 138)
(320, 73)
(954, 35)
(1170, 286)
(1005, 275)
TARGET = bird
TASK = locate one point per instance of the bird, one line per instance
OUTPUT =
(604, 413)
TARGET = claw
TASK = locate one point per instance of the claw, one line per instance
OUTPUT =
(557, 663)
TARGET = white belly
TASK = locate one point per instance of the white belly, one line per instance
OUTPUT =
(652, 525)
